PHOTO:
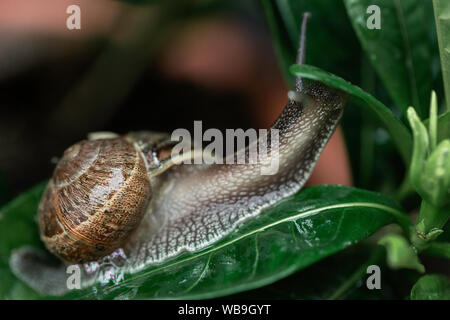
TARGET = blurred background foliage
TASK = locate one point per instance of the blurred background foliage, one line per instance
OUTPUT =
(125, 71)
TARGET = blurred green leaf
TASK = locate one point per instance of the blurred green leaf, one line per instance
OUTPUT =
(443, 126)
(400, 254)
(17, 228)
(398, 131)
(442, 17)
(439, 249)
(441, 246)
(400, 50)
(431, 287)
(17, 221)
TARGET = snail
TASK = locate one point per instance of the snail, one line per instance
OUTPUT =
(99, 193)
(112, 191)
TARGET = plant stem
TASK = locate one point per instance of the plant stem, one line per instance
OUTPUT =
(429, 224)
(432, 217)
(432, 126)
(405, 189)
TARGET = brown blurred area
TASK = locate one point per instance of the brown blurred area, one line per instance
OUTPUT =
(132, 68)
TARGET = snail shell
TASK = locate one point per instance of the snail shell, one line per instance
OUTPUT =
(96, 198)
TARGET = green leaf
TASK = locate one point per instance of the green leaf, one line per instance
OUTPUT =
(18, 225)
(443, 126)
(400, 254)
(446, 235)
(313, 224)
(290, 236)
(398, 131)
(439, 249)
(324, 281)
(17, 228)
(431, 287)
(442, 17)
(441, 246)
(399, 50)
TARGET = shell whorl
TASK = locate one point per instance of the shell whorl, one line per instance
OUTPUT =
(96, 198)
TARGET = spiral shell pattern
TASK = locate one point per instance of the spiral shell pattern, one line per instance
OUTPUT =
(97, 197)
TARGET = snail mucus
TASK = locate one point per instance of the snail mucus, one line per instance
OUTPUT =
(127, 192)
